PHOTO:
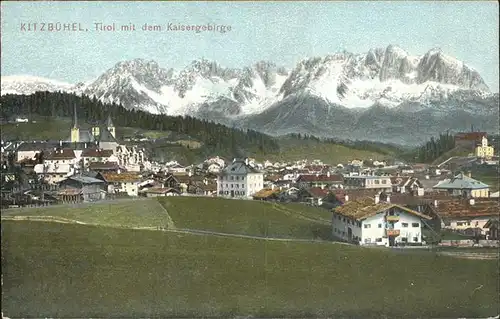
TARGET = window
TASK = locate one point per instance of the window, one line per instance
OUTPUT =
(378, 240)
(232, 178)
(242, 178)
(377, 181)
(379, 225)
(368, 240)
(227, 185)
(237, 178)
(242, 185)
(460, 223)
(232, 186)
(404, 240)
(237, 185)
(415, 239)
(404, 224)
(368, 226)
(415, 224)
(384, 181)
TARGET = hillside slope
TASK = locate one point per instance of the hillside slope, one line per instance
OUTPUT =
(186, 149)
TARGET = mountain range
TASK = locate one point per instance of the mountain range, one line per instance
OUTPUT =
(384, 95)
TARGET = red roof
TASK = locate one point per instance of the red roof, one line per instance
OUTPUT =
(93, 152)
(318, 192)
(320, 178)
(470, 136)
(62, 154)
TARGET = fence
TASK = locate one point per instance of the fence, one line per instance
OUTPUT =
(469, 243)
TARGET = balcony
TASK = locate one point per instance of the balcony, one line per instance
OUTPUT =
(392, 232)
(392, 218)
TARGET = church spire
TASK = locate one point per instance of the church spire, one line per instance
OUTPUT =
(109, 122)
(75, 117)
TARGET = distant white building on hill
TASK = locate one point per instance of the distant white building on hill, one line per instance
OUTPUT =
(239, 179)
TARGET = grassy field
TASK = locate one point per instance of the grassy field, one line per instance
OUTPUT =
(72, 271)
(248, 217)
(457, 151)
(48, 128)
(138, 213)
(293, 150)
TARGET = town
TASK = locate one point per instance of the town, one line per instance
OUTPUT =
(372, 203)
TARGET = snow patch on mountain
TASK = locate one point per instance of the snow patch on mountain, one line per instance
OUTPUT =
(27, 84)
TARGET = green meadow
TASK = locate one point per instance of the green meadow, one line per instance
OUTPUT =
(76, 271)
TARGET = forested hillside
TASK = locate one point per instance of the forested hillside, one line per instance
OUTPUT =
(215, 136)
(432, 149)
(56, 110)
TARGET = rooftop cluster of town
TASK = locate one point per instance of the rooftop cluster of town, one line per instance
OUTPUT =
(371, 202)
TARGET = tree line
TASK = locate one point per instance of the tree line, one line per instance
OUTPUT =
(90, 110)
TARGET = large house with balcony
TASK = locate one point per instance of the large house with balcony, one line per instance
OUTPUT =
(239, 179)
(379, 183)
(463, 185)
(368, 221)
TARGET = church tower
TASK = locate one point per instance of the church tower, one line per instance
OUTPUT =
(75, 131)
(111, 126)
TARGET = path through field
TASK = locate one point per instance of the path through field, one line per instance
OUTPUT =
(55, 219)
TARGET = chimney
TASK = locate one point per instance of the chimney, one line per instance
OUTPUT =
(377, 199)
(60, 143)
(435, 203)
(246, 160)
(346, 198)
(388, 198)
(469, 174)
(328, 174)
(472, 201)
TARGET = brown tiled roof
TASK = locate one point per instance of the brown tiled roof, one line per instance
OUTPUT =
(461, 208)
(61, 155)
(121, 178)
(94, 152)
(103, 165)
(365, 207)
(264, 193)
(320, 178)
(354, 193)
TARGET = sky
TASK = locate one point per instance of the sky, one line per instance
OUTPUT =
(280, 32)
